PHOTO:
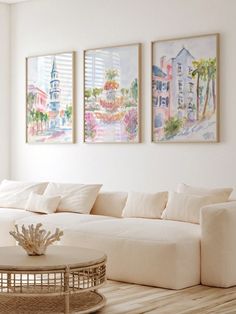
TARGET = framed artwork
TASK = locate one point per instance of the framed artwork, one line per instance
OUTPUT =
(50, 98)
(185, 89)
(112, 94)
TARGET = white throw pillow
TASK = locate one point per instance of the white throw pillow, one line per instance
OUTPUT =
(110, 204)
(145, 205)
(221, 195)
(14, 194)
(186, 207)
(42, 204)
(78, 198)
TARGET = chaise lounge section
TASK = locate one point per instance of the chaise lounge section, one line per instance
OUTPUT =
(144, 251)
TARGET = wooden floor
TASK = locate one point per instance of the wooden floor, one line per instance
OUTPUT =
(134, 299)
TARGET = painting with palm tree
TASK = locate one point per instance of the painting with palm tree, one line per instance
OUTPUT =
(184, 89)
(111, 95)
(49, 99)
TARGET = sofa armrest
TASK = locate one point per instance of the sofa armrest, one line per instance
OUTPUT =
(218, 244)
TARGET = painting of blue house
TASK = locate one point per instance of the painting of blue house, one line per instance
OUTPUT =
(183, 85)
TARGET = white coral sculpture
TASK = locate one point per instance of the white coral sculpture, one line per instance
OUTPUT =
(35, 240)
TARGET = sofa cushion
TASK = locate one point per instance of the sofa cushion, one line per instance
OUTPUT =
(145, 205)
(8, 217)
(186, 207)
(64, 221)
(42, 204)
(144, 251)
(220, 194)
(78, 198)
(110, 204)
(14, 194)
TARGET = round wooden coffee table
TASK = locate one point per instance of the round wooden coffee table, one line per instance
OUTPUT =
(63, 280)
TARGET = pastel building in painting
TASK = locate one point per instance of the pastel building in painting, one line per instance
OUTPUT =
(161, 93)
(183, 86)
(39, 98)
(174, 90)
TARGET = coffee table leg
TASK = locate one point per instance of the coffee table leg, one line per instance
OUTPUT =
(67, 290)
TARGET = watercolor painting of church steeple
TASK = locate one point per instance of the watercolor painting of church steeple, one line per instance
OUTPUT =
(185, 89)
(54, 104)
(50, 98)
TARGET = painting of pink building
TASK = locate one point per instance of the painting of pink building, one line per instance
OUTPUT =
(161, 79)
(39, 99)
(184, 93)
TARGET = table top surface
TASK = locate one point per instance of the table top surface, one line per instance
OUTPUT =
(56, 257)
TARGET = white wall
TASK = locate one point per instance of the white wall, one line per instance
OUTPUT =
(4, 91)
(47, 26)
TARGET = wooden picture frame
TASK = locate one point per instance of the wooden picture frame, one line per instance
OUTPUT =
(185, 89)
(112, 79)
(50, 97)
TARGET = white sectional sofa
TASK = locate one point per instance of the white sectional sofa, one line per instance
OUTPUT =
(162, 253)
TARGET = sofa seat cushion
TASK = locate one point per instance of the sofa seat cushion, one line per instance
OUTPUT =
(8, 217)
(71, 221)
(144, 251)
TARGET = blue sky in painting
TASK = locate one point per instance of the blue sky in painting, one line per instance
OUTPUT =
(199, 47)
(123, 58)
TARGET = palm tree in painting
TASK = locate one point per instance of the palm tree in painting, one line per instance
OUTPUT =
(68, 112)
(31, 97)
(124, 92)
(205, 70)
(209, 76)
(213, 82)
(111, 74)
(31, 119)
(45, 119)
(199, 70)
(96, 92)
(134, 89)
(87, 93)
(41, 118)
(37, 119)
